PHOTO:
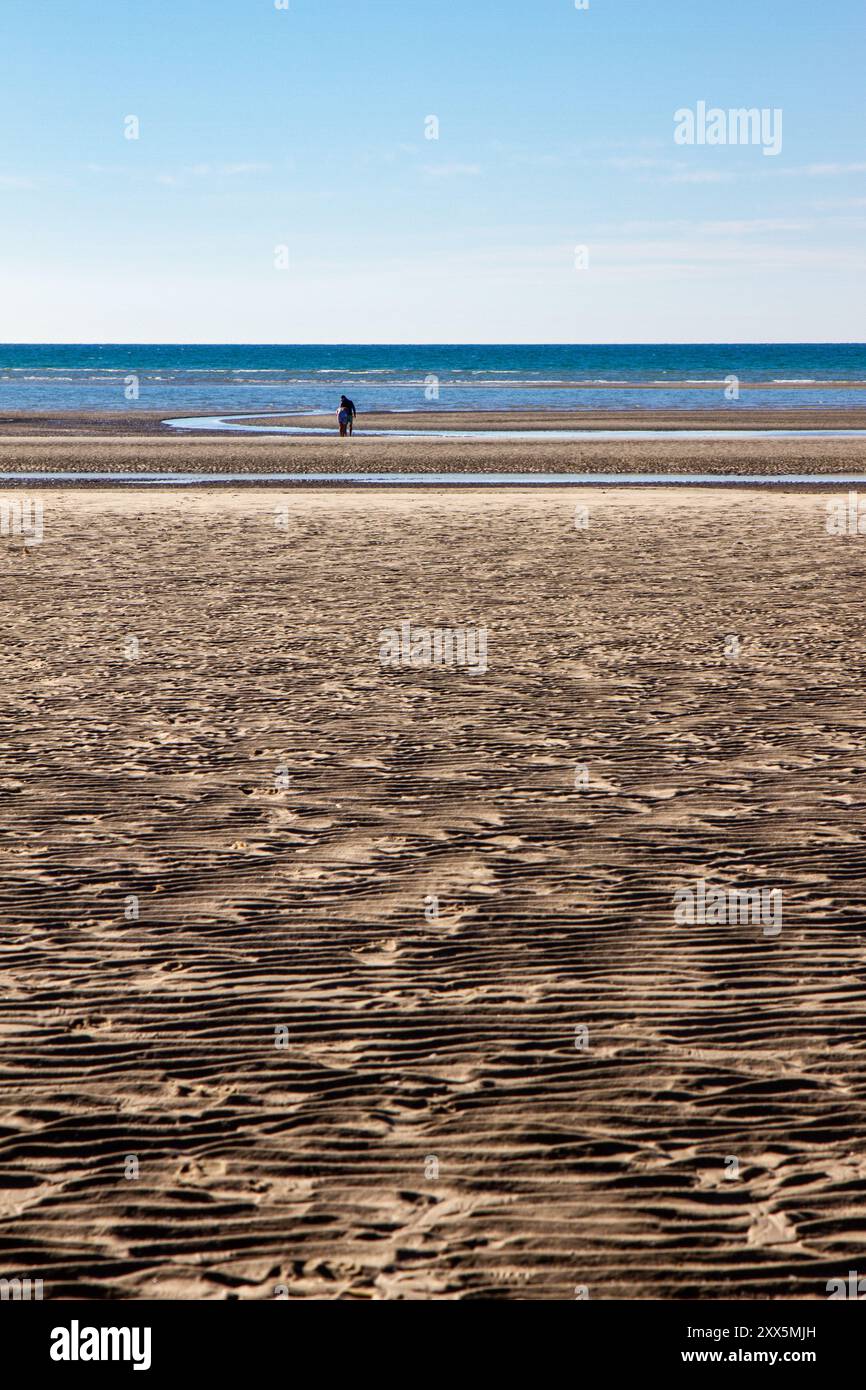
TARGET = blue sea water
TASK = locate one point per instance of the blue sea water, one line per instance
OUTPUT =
(219, 379)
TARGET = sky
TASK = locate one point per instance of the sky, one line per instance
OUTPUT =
(283, 187)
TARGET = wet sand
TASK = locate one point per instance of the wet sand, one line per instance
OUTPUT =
(128, 443)
(277, 807)
(151, 423)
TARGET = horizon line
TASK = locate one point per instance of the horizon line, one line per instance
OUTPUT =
(214, 342)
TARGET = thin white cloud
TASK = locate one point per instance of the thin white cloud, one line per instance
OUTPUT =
(677, 171)
(231, 171)
(451, 171)
(816, 171)
(746, 226)
(700, 176)
(636, 161)
(838, 204)
(177, 178)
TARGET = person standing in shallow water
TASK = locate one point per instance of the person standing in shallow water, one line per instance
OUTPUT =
(346, 415)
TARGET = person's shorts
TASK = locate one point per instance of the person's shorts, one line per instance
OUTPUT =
(343, 417)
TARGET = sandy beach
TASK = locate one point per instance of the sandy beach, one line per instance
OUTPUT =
(433, 715)
(242, 1051)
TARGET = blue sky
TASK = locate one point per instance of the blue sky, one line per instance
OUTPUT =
(305, 128)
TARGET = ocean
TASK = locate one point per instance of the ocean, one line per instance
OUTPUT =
(219, 379)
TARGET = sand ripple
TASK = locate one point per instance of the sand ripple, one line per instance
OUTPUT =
(282, 808)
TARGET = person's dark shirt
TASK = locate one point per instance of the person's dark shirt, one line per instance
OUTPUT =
(348, 405)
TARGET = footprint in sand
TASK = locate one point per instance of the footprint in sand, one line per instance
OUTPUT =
(772, 1228)
(379, 952)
